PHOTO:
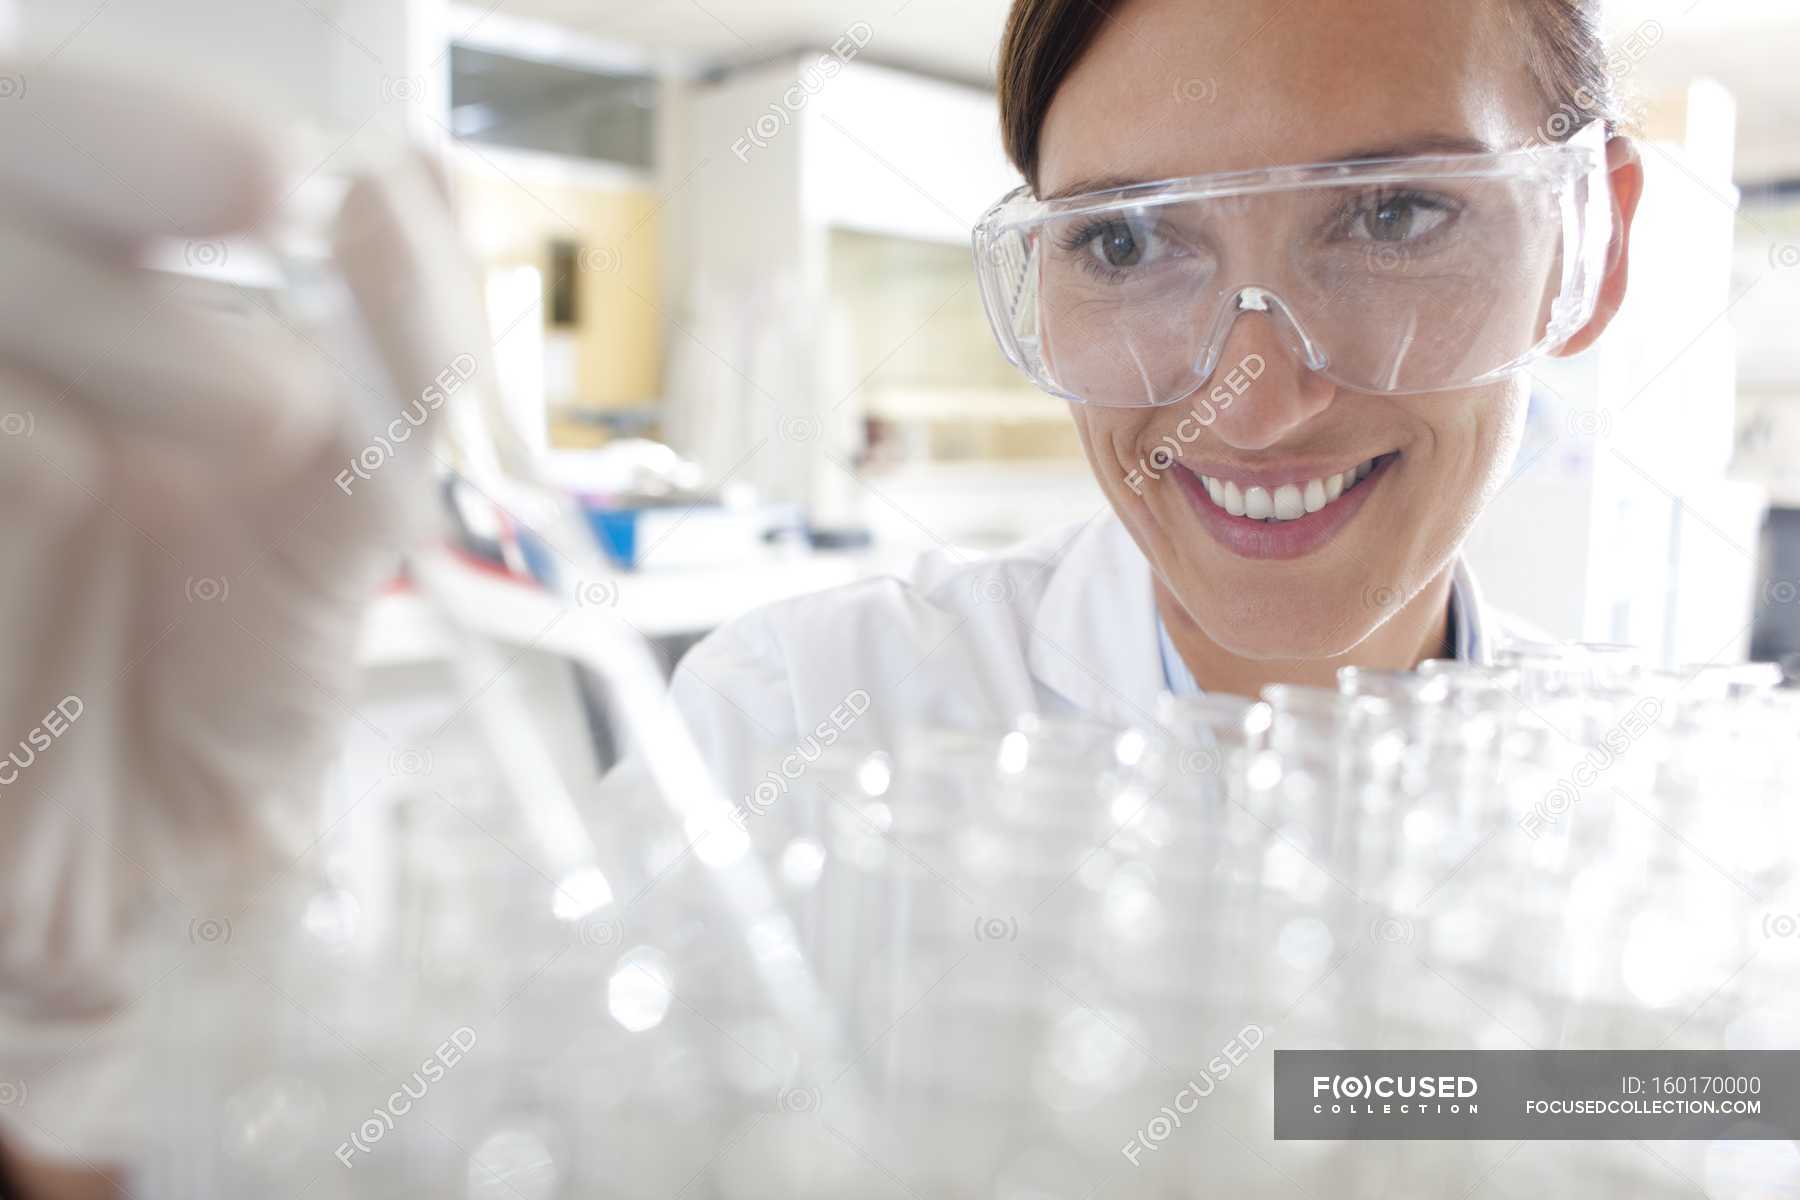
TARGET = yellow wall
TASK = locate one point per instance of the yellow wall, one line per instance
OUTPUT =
(511, 215)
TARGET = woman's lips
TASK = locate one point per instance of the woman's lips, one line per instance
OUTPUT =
(1252, 538)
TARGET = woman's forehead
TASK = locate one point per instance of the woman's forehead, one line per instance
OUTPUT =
(1187, 87)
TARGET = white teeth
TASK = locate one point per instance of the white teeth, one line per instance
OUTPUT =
(1315, 495)
(1290, 501)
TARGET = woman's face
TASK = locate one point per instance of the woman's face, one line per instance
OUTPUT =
(1187, 87)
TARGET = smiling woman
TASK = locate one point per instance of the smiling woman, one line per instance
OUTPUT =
(1396, 207)
(1286, 268)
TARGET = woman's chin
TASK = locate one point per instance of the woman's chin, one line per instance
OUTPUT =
(1282, 629)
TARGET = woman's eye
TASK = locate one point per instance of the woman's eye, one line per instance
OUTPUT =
(1398, 219)
(1118, 245)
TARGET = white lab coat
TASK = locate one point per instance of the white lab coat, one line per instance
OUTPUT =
(1061, 625)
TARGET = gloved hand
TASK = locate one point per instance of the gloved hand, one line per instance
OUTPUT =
(187, 548)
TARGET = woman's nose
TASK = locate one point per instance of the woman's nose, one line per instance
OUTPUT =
(1272, 391)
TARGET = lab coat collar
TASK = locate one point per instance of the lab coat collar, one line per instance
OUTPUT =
(1475, 627)
(1093, 636)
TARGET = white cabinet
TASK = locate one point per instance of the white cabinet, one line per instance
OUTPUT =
(763, 381)
(1620, 524)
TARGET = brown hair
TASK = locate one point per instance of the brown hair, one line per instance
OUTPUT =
(1045, 38)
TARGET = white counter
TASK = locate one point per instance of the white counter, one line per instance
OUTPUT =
(402, 629)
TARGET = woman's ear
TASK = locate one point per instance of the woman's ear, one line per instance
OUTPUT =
(1625, 178)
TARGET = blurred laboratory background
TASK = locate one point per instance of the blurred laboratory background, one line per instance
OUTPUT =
(726, 246)
(725, 249)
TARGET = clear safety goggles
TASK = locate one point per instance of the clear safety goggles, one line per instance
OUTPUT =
(1389, 276)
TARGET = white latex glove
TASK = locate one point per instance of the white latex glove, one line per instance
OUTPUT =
(184, 575)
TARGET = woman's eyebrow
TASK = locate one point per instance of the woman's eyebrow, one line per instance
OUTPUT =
(1419, 146)
(1097, 183)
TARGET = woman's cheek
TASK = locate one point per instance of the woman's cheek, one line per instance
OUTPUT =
(1110, 438)
(1471, 441)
